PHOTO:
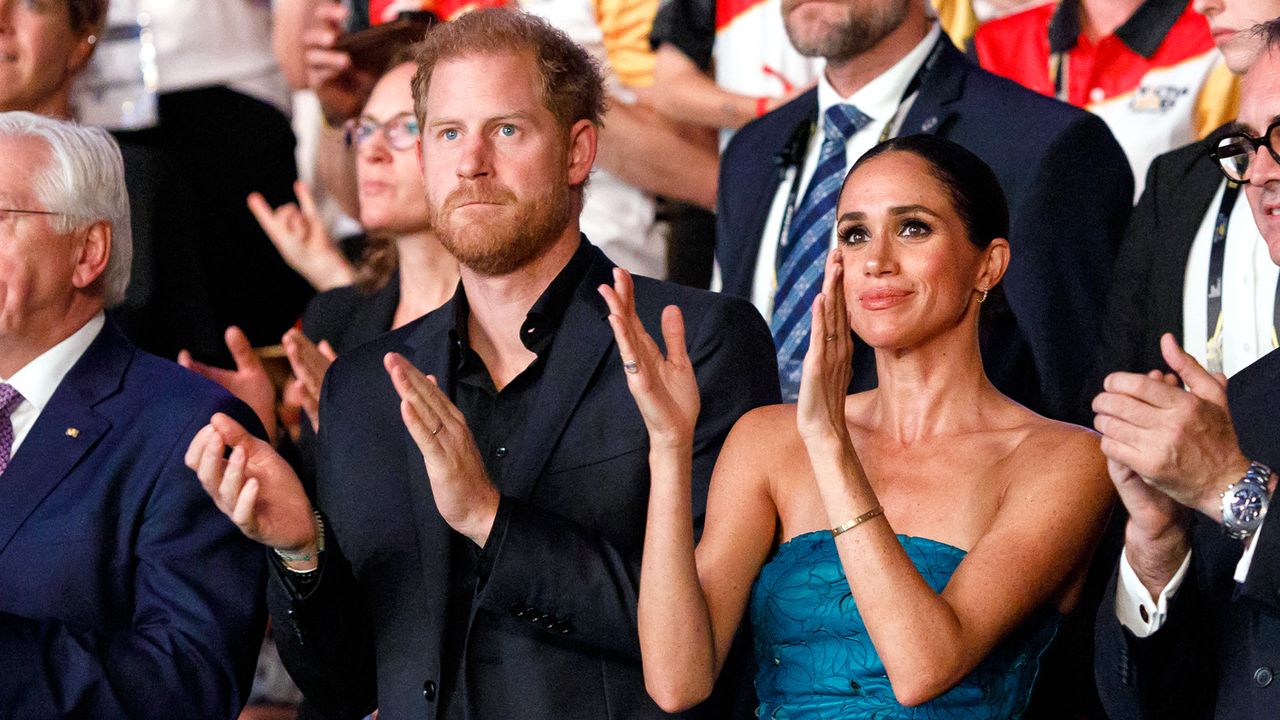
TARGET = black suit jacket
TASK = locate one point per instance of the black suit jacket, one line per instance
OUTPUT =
(124, 593)
(1146, 292)
(1069, 188)
(1217, 654)
(349, 317)
(552, 633)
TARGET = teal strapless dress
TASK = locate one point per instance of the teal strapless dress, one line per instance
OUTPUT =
(816, 661)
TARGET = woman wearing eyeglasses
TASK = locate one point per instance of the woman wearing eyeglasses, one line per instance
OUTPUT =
(404, 273)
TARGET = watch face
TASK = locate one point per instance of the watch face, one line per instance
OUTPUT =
(1248, 504)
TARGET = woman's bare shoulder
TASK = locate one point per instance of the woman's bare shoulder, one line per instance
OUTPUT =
(762, 437)
(1056, 450)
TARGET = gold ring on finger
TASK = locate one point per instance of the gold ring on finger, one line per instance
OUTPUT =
(437, 430)
(831, 337)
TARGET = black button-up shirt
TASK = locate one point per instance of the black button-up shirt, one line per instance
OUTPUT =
(495, 418)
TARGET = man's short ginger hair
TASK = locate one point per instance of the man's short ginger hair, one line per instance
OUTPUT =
(571, 84)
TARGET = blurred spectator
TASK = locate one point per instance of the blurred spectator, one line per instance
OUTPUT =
(167, 305)
(721, 65)
(1193, 262)
(197, 82)
(1068, 186)
(1146, 67)
(404, 274)
(126, 594)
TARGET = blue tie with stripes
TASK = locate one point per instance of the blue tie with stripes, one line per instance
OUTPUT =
(802, 258)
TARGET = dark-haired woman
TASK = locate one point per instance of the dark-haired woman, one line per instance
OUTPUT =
(905, 552)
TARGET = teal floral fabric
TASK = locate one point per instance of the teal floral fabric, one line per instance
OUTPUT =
(816, 662)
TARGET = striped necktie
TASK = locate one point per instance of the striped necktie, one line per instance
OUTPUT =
(802, 258)
(9, 401)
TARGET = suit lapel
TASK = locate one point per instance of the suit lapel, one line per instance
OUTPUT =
(65, 431)
(941, 85)
(430, 350)
(581, 343)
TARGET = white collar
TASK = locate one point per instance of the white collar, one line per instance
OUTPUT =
(40, 378)
(879, 99)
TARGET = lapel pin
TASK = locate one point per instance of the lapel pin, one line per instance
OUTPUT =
(929, 124)
(73, 432)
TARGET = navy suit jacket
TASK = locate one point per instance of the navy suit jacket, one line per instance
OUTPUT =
(552, 631)
(124, 592)
(1069, 189)
(1218, 653)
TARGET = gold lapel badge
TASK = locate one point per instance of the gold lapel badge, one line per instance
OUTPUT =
(73, 432)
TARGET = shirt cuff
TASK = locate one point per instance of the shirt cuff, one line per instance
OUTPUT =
(1242, 567)
(1135, 608)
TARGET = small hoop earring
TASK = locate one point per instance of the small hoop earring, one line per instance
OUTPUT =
(983, 299)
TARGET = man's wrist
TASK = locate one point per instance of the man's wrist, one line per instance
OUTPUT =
(479, 524)
(307, 553)
(1156, 557)
(1210, 502)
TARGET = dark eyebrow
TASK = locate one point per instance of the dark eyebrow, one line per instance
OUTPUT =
(855, 215)
(909, 209)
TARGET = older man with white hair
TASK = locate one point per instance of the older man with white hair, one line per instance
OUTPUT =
(123, 591)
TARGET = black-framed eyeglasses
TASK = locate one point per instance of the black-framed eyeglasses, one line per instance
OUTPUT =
(401, 131)
(1236, 152)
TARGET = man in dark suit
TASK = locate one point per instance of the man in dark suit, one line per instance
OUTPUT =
(1170, 245)
(483, 471)
(1190, 626)
(123, 592)
(1065, 177)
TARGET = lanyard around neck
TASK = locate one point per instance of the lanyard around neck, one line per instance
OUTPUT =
(1214, 321)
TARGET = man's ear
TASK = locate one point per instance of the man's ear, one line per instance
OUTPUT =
(82, 51)
(94, 255)
(583, 137)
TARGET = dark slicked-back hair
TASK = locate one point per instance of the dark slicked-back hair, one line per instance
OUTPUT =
(571, 85)
(1269, 33)
(86, 15)
(975, 192)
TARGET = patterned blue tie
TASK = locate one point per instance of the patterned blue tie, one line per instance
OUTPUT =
(802, 258)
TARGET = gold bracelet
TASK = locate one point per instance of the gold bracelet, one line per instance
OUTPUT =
(838, 530)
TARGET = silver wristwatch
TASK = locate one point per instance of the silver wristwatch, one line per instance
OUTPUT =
(1244, 503)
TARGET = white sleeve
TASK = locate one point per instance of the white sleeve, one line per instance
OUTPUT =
(1242, 567)
(1135, 608)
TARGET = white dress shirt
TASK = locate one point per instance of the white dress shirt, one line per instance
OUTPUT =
(882, 101)
(1248, 289)
(40, 378)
